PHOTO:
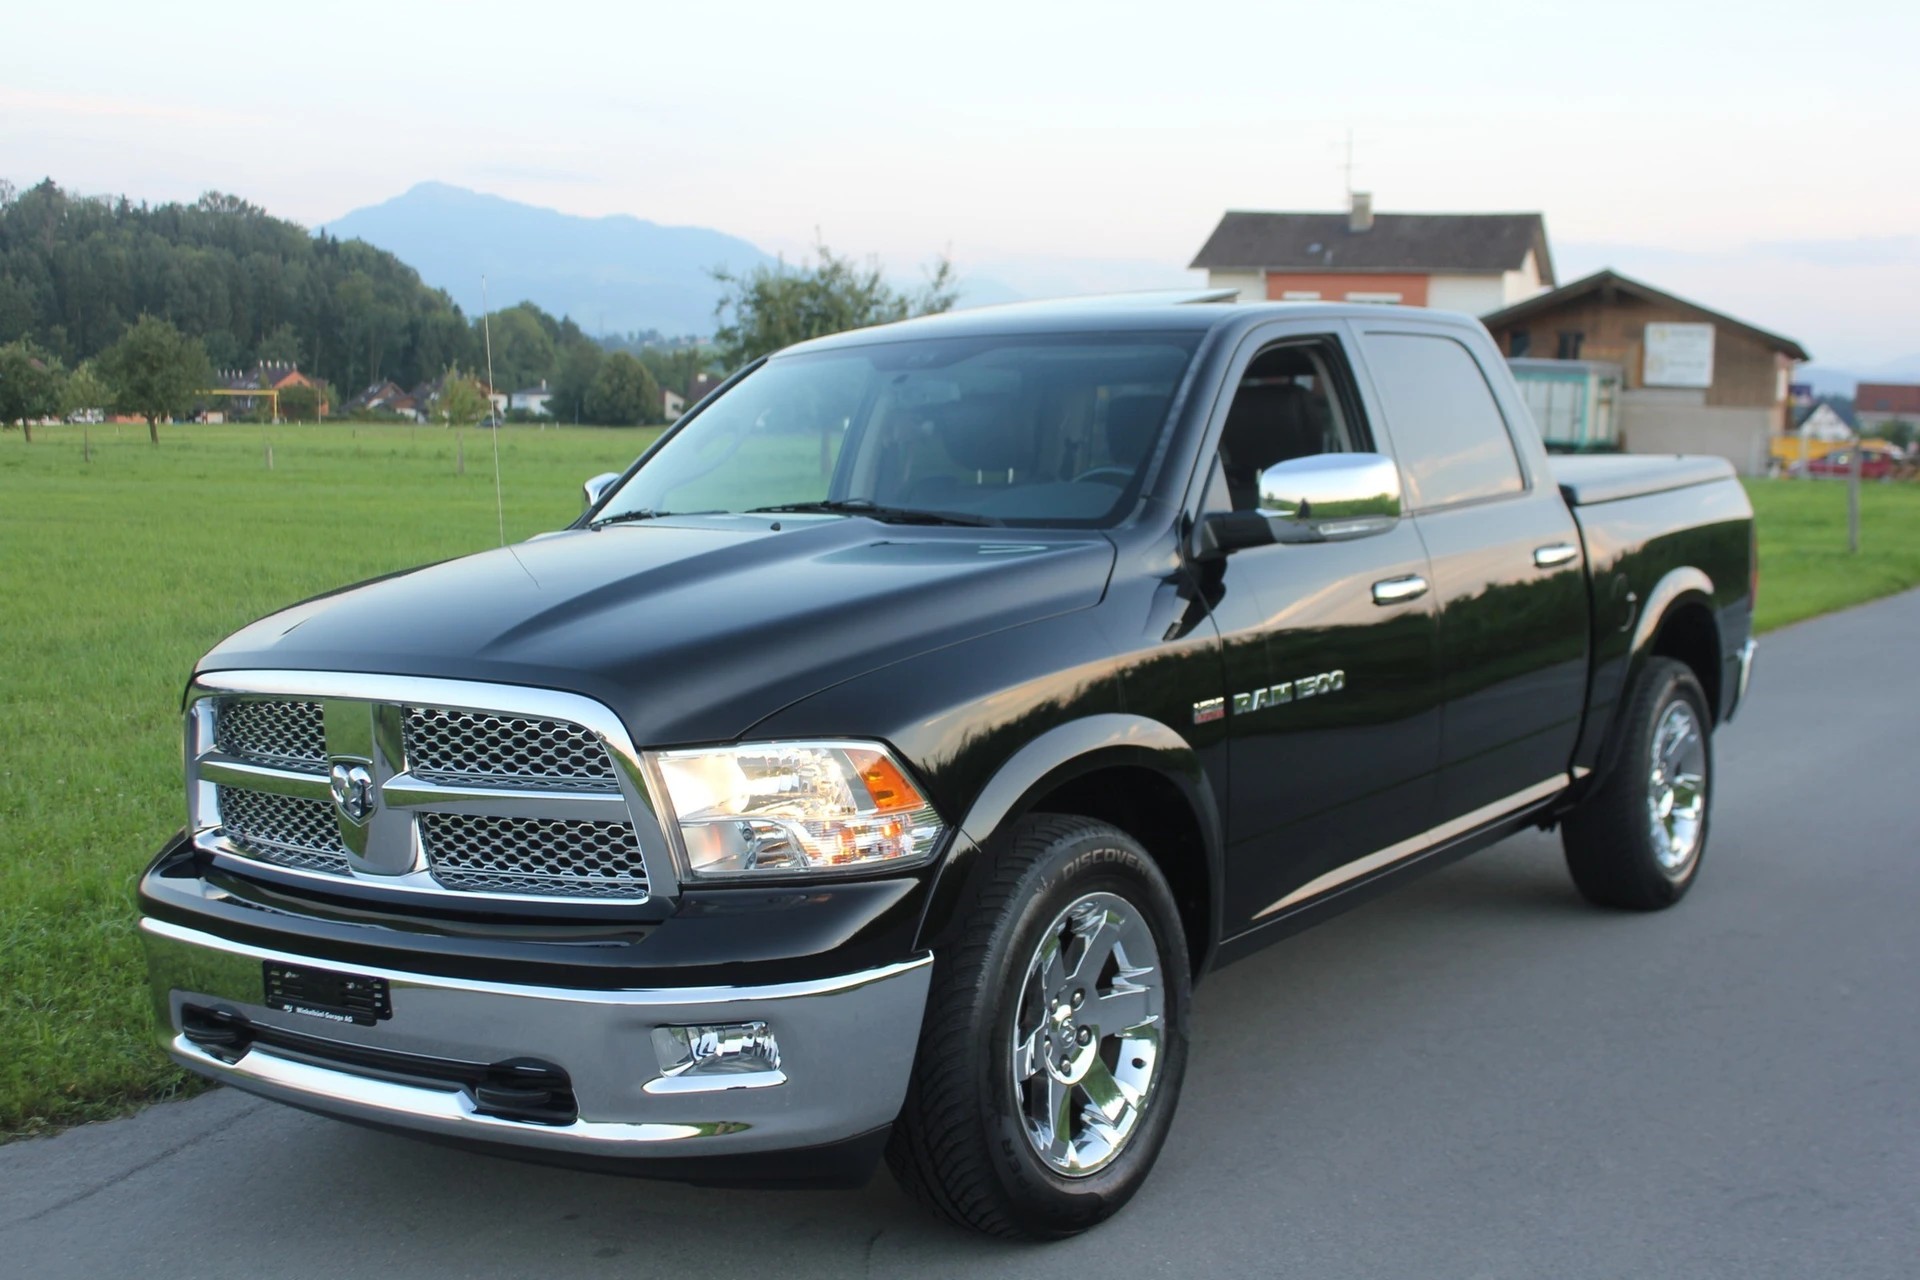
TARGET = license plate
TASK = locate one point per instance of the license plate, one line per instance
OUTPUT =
(326, 995)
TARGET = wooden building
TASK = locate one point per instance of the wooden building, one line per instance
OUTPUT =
(1695, 380)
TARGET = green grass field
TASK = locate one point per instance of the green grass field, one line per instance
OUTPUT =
(115, 574)
(1805, 568)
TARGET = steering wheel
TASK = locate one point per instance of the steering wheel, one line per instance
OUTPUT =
(1107, 475)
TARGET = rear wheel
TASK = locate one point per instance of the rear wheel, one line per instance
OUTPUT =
(1637, 841)
(1055, 1038)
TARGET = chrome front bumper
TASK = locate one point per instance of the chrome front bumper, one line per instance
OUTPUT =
(846, 1048)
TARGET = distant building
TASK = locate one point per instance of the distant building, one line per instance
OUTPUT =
(1471, 262)
(1825, 421)
(385, 396)
(672, 404)
(532, 399)
(267, 375)
(1694, 380)
(1877, 405)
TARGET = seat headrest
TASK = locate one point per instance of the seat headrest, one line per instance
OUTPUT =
(1269, 422)
(1132, 424)
(987, 433)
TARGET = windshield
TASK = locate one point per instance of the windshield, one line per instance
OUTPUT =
(1008, 430)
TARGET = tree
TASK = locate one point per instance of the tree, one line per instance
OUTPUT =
(573, 381)
(623, 393)
(462, 400)
(773, 307)
(154, 371)
(1897, 431)
(522, 348)
(84, 391)
(29, 385)
(302, 404)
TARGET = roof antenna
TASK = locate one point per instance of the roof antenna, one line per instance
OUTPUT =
(486, 332)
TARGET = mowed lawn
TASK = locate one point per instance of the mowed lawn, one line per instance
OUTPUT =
(1805, 568)
(116, 574)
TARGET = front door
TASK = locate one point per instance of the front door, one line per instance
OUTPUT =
(1332, 706)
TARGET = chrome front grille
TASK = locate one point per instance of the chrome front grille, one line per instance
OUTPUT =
(467, 746)
(513, 802)
(285, 731)
(284, 830)
(560, 859)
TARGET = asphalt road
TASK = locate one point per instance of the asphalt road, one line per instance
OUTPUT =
(1479, 1076)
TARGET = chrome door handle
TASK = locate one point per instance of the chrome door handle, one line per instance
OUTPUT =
(1399, 590)
(1552, 557)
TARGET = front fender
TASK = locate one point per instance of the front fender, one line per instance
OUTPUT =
(1059, 756)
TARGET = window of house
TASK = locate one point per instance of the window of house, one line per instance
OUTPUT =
(1519, 342)
(1363, 295)
(1288, 405)
(1300, 295)
(1569, 348)
(1450, 436)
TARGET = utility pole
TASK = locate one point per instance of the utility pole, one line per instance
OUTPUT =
(1853, 498)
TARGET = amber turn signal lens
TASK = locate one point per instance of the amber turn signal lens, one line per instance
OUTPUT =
(891, 791)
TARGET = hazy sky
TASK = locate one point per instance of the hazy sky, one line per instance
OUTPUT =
(1763, 158)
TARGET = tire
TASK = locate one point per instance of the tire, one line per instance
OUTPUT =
(1637, 841)
(1074, 892)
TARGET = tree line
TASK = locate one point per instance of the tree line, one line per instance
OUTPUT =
(108, 303)
(238, 287)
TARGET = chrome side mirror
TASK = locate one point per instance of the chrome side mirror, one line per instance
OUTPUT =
(1331, 497)
(596, 488)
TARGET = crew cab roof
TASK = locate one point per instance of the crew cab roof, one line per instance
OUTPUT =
(1162, 312)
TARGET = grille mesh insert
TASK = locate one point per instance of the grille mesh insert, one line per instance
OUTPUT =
(557, 858)
(271, 730)
(468, 746)
(283, 829)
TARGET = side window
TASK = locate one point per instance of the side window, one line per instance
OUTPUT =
(1452, 441)
(1286, 406)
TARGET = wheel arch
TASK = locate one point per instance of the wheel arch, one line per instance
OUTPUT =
(1678, 622)
(1136, 773)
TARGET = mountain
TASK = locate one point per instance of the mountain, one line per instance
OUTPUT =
(612, 275)
(1829, 381)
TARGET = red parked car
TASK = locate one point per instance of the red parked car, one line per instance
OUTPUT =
(1875, 464)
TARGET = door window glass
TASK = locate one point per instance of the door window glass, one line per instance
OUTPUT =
(1286, 406)
(1452, 441)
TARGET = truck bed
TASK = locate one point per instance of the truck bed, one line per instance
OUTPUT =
(1590, 479)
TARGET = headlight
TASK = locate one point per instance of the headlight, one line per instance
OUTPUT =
(786, 807)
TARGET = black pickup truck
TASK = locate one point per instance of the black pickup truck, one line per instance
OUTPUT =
(878, 763)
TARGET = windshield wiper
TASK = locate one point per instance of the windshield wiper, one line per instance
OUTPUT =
(628, 517)
(874, 511)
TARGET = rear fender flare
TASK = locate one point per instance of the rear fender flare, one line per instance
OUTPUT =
(1683, 586)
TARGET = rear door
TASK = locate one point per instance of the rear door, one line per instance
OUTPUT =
(1507, 568)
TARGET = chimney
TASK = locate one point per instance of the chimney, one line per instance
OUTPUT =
(1360, 216)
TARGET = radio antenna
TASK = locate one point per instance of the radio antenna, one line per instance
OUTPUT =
(486, 333)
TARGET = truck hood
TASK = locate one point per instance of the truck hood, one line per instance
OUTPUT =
(691, 628)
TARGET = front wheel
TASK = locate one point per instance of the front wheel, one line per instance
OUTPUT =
(1637, 841)
(1055, 1037)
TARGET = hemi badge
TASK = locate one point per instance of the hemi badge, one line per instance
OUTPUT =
(1210, 710)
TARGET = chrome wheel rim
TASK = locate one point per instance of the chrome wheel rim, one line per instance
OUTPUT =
(1677, 789)
(1086, 1034)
